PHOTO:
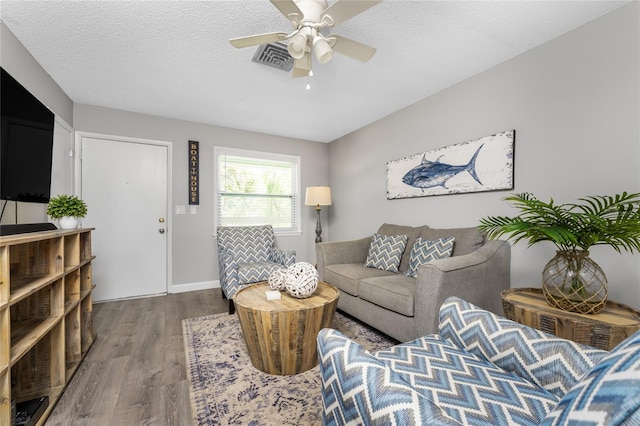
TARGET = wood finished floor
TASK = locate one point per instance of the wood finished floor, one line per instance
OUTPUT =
(135, 372)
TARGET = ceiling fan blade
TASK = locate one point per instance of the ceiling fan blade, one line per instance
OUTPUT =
(341, 10)
(257, 39)
(352, 48)
(289, 9)
(302, 66)
(299, 72)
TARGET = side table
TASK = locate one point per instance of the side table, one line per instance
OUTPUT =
(281, 334)
(604, 330)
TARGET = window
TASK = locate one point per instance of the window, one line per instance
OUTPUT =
(257, 188)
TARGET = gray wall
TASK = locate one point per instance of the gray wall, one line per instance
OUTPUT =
(18, 62)
(194, 255)
(574, 103)
(194, 252)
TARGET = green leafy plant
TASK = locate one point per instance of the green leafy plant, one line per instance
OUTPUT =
(66, 205)
(599, 220)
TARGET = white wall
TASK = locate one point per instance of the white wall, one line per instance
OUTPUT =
(574, 103)
(194, 254)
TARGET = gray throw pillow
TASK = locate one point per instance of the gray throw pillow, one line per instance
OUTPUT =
(385, 252)
(425, 251)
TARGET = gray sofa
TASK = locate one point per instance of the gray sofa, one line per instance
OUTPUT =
(406, 308)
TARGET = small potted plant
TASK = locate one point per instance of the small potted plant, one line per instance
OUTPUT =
(571, 280)
(67, 209)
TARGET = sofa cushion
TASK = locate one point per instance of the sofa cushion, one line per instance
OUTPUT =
(412, 234)
(468, 388)
(253, 272)
(608, 394)
(346, 276)
(396, 293)
(386, 251)
(468, 240)
(425, 251)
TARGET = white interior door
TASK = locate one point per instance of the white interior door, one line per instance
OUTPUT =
(125, 186)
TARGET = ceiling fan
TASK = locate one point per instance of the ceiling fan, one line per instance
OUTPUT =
(309, 18)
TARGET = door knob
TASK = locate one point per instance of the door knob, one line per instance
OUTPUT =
(161, 220)
(161, 230)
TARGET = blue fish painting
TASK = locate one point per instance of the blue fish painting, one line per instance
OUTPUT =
(479, 165)
(429, 174)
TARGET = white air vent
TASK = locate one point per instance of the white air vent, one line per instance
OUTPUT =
(274, 55)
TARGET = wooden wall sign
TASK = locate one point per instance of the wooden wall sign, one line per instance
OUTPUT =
(194, 172)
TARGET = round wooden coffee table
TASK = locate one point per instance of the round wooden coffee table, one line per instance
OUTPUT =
(281, 334)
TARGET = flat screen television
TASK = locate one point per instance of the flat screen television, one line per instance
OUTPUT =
(26, 152)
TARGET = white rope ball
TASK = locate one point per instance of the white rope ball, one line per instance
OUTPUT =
(277, 279)
(301, 280)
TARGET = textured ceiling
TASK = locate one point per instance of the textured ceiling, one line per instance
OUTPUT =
(173, 59)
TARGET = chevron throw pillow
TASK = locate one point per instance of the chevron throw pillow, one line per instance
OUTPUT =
(425, 251)
(551, 362)
(386, 251)
(608, 395)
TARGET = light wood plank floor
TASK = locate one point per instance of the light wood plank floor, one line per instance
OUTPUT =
(135, 372)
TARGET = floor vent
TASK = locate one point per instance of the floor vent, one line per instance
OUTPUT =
(274, 55)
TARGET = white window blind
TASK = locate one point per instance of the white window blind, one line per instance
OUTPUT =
(257, 188)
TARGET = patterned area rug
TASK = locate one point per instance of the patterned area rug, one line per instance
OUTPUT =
(226, 389)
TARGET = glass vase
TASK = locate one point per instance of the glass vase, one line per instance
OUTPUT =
(571, 281)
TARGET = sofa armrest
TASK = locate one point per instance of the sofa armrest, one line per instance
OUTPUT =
(339, 252)
(358, 388)
(551, 362)
(477, 277)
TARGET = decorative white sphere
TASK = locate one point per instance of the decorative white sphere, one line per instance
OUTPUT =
(301, 280)
(277, 279)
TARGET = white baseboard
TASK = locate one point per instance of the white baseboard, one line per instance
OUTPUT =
(204, 285)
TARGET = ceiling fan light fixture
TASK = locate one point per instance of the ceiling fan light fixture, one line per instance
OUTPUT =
(323, 51)
(297, 46)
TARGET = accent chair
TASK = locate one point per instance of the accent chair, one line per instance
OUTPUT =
(481, 369)
(247, 255)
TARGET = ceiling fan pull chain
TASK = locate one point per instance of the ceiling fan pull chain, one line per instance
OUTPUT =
(309, 75)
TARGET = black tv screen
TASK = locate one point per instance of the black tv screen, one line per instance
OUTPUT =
(26, 150)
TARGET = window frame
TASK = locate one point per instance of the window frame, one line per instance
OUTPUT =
(294, 160)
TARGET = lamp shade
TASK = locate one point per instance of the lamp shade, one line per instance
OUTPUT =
(318, 196)
(297, 46)
(322, 49)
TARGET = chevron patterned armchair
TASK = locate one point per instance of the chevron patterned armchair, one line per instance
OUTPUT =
(247, 255)
(481, 369)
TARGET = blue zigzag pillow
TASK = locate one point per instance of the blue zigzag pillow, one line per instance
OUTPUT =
(608, 395)
(425, 251)
(386, 251)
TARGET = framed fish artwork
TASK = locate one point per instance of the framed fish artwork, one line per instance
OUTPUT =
(484, 164)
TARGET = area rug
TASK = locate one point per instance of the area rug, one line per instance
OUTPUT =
(226, 389)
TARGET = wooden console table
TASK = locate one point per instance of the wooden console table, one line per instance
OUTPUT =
(281, 334)
(604, 330)
(45, 314)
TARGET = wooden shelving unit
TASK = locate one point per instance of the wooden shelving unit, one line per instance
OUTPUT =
(45, 314)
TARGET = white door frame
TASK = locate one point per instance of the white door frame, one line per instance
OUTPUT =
(79, 135)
